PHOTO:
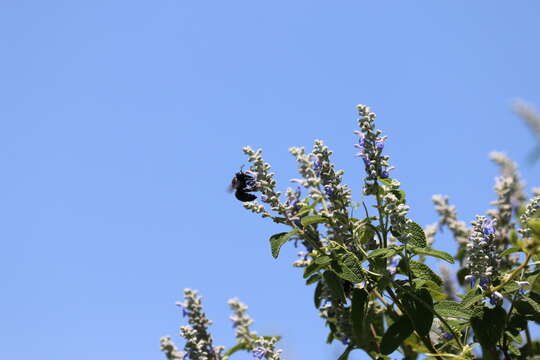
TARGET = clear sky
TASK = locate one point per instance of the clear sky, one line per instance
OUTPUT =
(122, 124)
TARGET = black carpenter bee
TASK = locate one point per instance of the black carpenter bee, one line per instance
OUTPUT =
(242, 184)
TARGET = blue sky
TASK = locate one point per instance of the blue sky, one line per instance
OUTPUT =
(123, 122)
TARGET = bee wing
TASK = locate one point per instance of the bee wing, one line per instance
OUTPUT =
(232, 186)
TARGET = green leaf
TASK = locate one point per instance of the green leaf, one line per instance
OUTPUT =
(471, 298)
(435, 290)
(322, 260)
(314, 219)
(346, 265)
(334, 285)
(311, 269)
(534, 225)
(317, 295)
(535, 285)
(385, 252)
(396, 334)
(388, 182)
(306, 209)
(277, 241)
(427, 251)
(313, 279)
(364, 233)
(418, 237)
(422, 271)
(237, 347)
(461, 273)
(359, 301)
(352, 268)
(509, 251)
(488, 327)
(452, 309)
(419, 305)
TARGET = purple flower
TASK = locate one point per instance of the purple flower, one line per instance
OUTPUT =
(488, 228)
(181, 305)
(471, 279)
(521, 285)
(328, 190)
(317, 166)
(362, 140)
(259, 352)
(496, 296)
(447, 335)
(384, 174)
(379, 144)
(484, 282)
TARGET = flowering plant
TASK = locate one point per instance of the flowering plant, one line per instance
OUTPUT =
(372, 286)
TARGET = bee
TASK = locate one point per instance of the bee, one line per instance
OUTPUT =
(242, 184)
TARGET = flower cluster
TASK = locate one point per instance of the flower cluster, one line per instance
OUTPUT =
(198, 339)
(510, 197)
(447, 283)
(482, 256)
(168, 347)
(371, 145)
(380, 296)
(265, 183)
(265, 348)
(241, 322)
(321, 178)
(528, 214)
(508, 170)
(198, 344)
(397, 213)
(448, 217)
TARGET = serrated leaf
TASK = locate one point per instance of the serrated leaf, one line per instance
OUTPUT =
(509, 251)
(489, 327)
(322, 260)
(277, 241)
(419, 305)
(359, 301)
(452, 309)
(333, 283)
(472, 299)
(427, 251)
(346, 265)
(396, 334)
(314, 219)
(422, 271)
(418, 237)
(435, 290)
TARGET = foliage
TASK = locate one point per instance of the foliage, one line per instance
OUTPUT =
(367, 263)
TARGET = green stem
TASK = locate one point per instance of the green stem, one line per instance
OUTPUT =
(512, 275)
(382, 225)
